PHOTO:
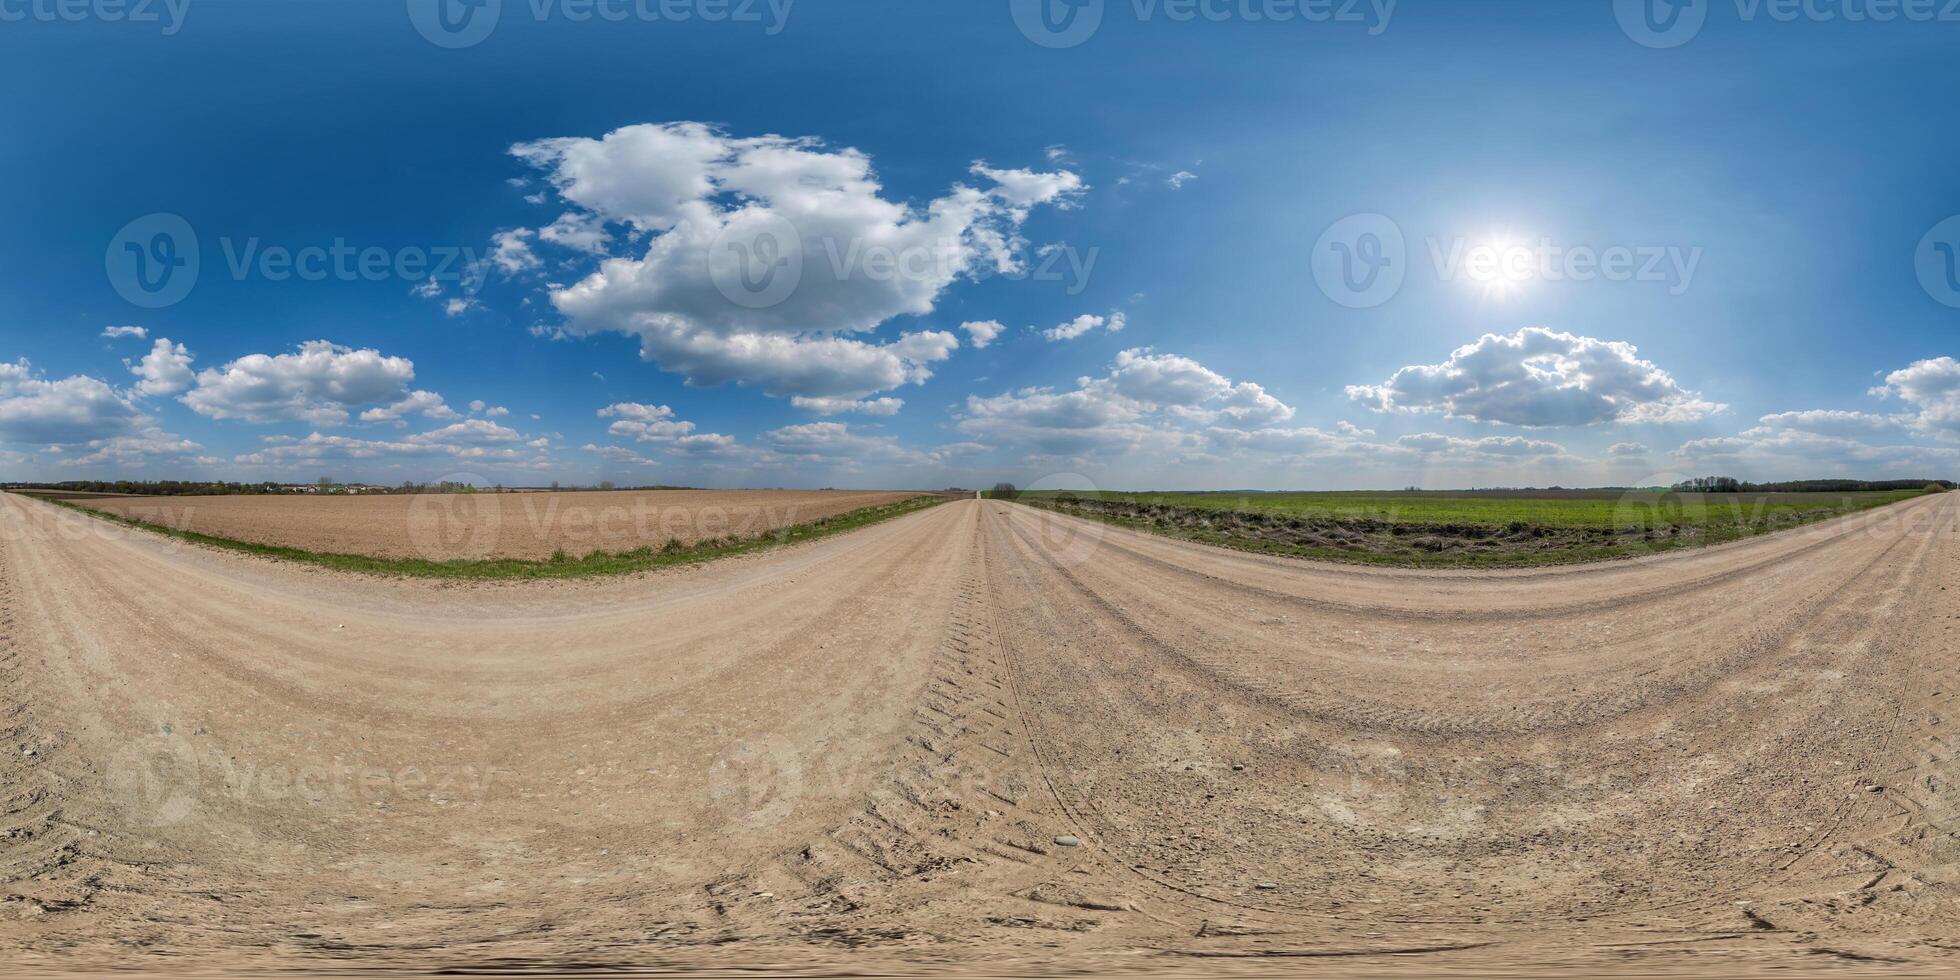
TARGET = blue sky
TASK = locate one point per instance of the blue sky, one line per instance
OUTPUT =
(1724, 250)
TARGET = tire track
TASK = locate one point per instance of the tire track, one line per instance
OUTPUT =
(1847, 609)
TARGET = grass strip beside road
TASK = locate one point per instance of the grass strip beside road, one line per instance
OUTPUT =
(1428, 530)
(597, 563)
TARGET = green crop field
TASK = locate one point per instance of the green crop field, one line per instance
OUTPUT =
(1551, 508)
(1457, 528)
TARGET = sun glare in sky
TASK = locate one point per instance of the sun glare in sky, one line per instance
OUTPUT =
(1500, 265)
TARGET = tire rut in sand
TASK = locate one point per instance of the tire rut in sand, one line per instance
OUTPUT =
(1758, 762)
(37, 845)
(46, 869)
(962, 837)
(1267, 681)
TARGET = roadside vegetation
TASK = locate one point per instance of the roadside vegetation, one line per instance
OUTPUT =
(559, 566)
(1466, 528)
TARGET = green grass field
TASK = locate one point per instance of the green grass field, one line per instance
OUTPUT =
(1463, 528)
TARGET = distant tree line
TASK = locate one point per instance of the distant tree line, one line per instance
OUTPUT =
(1729, 484)
(156, 488)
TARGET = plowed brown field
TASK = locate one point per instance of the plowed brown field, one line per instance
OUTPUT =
(993, 739)
(442, 527)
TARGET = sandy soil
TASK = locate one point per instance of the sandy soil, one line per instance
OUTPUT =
(988, 738)
(441, 527)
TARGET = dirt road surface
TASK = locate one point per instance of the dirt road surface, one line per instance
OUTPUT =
(983, 737)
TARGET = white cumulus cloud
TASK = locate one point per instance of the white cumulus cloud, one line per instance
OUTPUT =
(647, 423)
(1146, 401)
(427, 404)
(1085, 324)
(511, 251)
(702, 202)
(321, 383)
(982, 332)
(1932, 388)
(165, 370)
(839, 406)
(1834, 422)
(39, 412)
(1539, 378)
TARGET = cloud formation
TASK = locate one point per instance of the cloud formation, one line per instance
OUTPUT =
(1539, 378)
(1932, 388)
(839, 406)
(165, 370)
(646, 423)
(1841, 442)
(321, 383)
(981, 333)
(37, 412)
(763, 253)
(1083, 325)
(1147, 400)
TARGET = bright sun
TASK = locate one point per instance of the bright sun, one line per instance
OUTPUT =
(1499, 265)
